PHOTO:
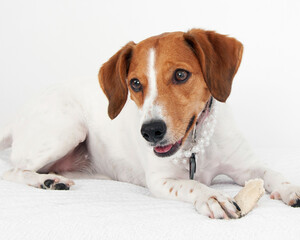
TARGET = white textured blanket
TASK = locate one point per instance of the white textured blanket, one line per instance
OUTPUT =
(98, 209)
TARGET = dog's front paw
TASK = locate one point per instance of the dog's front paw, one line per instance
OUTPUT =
(217, 205)
(288, 193)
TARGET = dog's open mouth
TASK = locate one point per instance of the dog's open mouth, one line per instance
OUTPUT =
(170, 149)
(167, 150)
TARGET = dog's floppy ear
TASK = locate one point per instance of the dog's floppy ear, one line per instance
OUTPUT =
(219, 57)
(112, 78)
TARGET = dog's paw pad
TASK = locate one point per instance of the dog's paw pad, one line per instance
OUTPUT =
(61, 186)
(297, 204)
(48, 183)
(55, 182)
(290, 194)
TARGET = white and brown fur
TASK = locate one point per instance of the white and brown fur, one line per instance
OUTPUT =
(66, 132)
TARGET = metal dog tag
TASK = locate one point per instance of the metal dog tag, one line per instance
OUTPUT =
(192, 165)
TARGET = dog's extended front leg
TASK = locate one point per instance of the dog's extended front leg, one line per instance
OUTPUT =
(280, 188)
(243, 165)
(207, 201)
(275, 183)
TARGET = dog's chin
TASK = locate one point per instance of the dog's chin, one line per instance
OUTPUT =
(167, 150)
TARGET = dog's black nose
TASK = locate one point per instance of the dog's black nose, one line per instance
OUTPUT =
(154, 131)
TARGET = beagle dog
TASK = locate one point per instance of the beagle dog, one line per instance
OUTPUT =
(174, 135)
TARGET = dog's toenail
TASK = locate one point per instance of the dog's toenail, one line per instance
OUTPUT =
(297, 204)
(237, 206)
(61, 186)
(48, 183)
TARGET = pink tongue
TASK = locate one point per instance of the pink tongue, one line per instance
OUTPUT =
(163, 149)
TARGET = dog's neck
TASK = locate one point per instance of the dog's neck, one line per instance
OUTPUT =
(199, 138)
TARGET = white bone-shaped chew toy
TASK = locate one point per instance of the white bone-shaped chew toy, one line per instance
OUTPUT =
(249, 195)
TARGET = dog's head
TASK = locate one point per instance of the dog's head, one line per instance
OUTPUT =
(170, 78)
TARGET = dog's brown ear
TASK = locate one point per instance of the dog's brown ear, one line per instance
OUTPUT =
(219, 57)
(112, 79)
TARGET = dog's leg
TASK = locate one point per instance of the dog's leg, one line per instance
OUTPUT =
(64, 157)
(207, 201)
(242, 165)
(45, 181)
(280, 188)
(275, 183)
(56, 154)
(48, 137)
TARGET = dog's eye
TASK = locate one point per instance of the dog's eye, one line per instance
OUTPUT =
(180, 76)
(136, 85)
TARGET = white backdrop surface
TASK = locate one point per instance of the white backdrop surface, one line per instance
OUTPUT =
(45, 42)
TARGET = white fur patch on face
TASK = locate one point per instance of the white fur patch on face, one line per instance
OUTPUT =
(151, 110)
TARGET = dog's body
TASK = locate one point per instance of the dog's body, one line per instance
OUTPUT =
(66, 130)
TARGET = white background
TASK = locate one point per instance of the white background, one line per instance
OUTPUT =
(44, 42)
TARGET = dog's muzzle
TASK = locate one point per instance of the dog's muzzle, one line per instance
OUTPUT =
(154, 132)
